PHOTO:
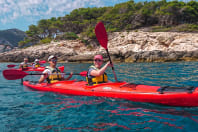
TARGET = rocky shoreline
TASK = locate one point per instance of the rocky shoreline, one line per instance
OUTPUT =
(123, 47)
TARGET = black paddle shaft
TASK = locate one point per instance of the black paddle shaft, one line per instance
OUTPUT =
(112, 66)
(109, 58)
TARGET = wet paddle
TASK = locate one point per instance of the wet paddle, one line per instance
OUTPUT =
(102, 37)
(11, 66)
(42, 61)
(14, 74)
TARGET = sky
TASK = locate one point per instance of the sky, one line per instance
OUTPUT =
(21, 14)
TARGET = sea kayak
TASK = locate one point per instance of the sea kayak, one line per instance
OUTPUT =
(40, 69)
(172, 96)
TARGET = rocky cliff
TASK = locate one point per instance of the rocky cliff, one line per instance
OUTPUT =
(123, 47)
(10, 38)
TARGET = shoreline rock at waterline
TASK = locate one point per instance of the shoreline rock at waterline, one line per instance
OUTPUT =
(123, 47)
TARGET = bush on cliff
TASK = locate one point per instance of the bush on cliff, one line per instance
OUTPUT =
(67, 36)
(45, 40)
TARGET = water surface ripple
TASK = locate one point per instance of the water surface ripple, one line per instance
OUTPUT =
(23, 110)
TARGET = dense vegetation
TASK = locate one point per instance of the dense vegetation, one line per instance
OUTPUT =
(157, 15)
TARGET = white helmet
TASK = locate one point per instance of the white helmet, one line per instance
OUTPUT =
(36, 60)
(51, 56)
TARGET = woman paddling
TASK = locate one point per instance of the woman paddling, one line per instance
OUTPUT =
(96, 73)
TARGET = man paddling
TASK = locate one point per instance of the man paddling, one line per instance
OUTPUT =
(36, 63)
(24, 64)
(52, 73)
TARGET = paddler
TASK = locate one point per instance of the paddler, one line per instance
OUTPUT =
(96, 73)
(52, 73)
(24, 64)
(36, 63)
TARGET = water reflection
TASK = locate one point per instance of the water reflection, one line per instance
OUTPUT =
(101, 114)
(24, 110)
(144, 114)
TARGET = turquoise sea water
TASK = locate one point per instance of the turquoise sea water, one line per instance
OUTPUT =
(23, 110)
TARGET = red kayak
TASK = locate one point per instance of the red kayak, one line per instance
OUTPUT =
(40, 69)
(172, 96)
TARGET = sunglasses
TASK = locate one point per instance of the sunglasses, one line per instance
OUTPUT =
(97, 60)
(54, 60)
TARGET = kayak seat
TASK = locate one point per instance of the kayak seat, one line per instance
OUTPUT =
(33, 82)
(78, 80)
(25, 68)
(163, 89)
(130, 85)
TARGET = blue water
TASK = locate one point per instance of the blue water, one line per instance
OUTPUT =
(23, 110)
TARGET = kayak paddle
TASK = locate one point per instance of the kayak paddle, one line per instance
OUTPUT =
(102, 37)
(14, 74)
(42, 61)
(11, 66)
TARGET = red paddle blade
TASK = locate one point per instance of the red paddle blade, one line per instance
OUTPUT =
(61, 68)
(101, 34)
(42, 61)
(13, 74)
(11, 66)
(84, 73)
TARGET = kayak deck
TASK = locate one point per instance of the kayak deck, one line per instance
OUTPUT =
(173, 96)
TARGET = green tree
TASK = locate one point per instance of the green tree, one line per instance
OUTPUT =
(123, 16)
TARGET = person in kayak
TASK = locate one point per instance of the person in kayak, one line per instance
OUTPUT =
(96, 73)
(36, 63)
(24, 64)
(52, 73)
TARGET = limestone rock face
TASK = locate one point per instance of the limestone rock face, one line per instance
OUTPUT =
(154, 46)
(123, 47)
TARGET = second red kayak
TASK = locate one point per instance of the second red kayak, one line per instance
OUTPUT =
(40, 69)
(173, 96)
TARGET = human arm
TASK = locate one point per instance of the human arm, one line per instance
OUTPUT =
(21, 65)
(70, 76)
(33, 66)
(44, 76)
(100, 71)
